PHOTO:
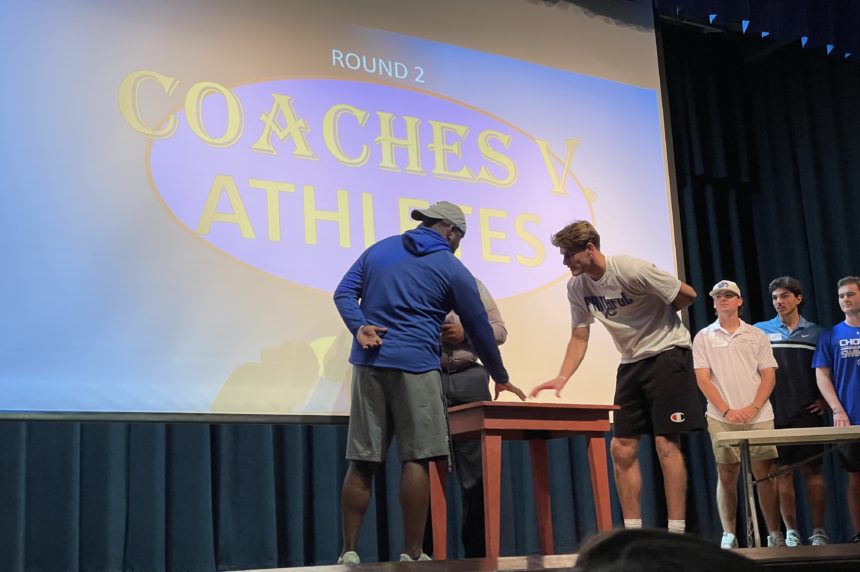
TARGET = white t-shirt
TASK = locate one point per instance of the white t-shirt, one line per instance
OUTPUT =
(735, 361)
(633, 299)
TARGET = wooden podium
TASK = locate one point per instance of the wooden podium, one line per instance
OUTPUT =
(494, 421)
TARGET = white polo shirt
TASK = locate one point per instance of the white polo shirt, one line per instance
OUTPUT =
(735, 361)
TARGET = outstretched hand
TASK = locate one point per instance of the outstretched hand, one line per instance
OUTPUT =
(500, 387)
(370, 337)
(556, 383)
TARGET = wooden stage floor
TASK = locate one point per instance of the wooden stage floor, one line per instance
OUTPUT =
(836, 557)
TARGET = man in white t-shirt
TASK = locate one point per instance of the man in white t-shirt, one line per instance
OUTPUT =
(736, 371)
(638, 304)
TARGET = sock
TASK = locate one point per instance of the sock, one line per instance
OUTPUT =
(632, 523)
(678, 526)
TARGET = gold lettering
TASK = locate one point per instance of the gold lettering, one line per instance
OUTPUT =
(387, 143)
(442, 149)
(340, 216)
(194, 113)
(404, 209)
(331, 134)
(487, 235)
(367, 219)
(557, 179)
(496, 157)
(273, 203)
(225, 185)
(530, 239)
(293, 128)
(129, 103)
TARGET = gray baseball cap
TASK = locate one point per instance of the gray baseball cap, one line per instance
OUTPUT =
(443, 210)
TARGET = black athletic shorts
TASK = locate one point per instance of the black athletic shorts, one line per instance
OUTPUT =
(658, 395)
(791, 454)
(849, 454)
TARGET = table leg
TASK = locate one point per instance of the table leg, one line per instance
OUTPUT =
(491, 448)
(540, 479)
(750, 517)
(439, 508)
(599, 480)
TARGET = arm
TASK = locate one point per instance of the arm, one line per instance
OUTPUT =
(452, 329)
(468, 305)
(765, 388)
(346, 297)
(500, 331)
(686, 296)
(824, 379)
(348, 293)
(712, 394)
(573, 356)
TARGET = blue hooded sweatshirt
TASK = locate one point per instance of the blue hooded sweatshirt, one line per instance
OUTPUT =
(408, 283)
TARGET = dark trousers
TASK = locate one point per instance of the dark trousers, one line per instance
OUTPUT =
(467, 386)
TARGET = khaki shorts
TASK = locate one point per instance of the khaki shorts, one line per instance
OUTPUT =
(729, 455)
(389, 402)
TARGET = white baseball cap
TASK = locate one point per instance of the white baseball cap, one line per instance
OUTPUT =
(725, 286)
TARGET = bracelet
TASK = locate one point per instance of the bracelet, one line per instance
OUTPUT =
(838, 411)
(726, 412)
(757, 408)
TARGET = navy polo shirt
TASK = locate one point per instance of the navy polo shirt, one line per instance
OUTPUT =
(795, 387)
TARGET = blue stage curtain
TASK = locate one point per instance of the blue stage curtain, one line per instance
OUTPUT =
(766, 145)
(196, 497)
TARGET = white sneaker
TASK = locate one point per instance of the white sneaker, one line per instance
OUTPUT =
(792, 538)
(819, 537)
(407, 558)
(349, 557)
(775, 539)
(728, 541)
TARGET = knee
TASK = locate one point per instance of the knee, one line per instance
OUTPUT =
(785, 486)
(728, 474)
(623, 452)
(362, 469)
(812, 473)
(667, 447)
(762, 470)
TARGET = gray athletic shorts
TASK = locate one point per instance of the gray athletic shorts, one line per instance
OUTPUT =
(388, 402)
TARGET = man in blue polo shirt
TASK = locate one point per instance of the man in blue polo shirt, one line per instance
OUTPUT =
(837, 363)
(796, 403)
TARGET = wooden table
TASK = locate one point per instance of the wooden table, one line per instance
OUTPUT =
(761, 437)
(494, 421)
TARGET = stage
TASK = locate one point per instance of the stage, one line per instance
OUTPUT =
(841, 557)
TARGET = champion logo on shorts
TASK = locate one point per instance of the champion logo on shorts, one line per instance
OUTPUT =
(678, 417)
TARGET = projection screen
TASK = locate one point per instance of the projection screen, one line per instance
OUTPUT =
(186, 183)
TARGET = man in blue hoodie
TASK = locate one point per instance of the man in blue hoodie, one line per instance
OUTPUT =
(394, 300)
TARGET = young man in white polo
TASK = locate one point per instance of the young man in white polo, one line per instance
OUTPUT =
(736, 371)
